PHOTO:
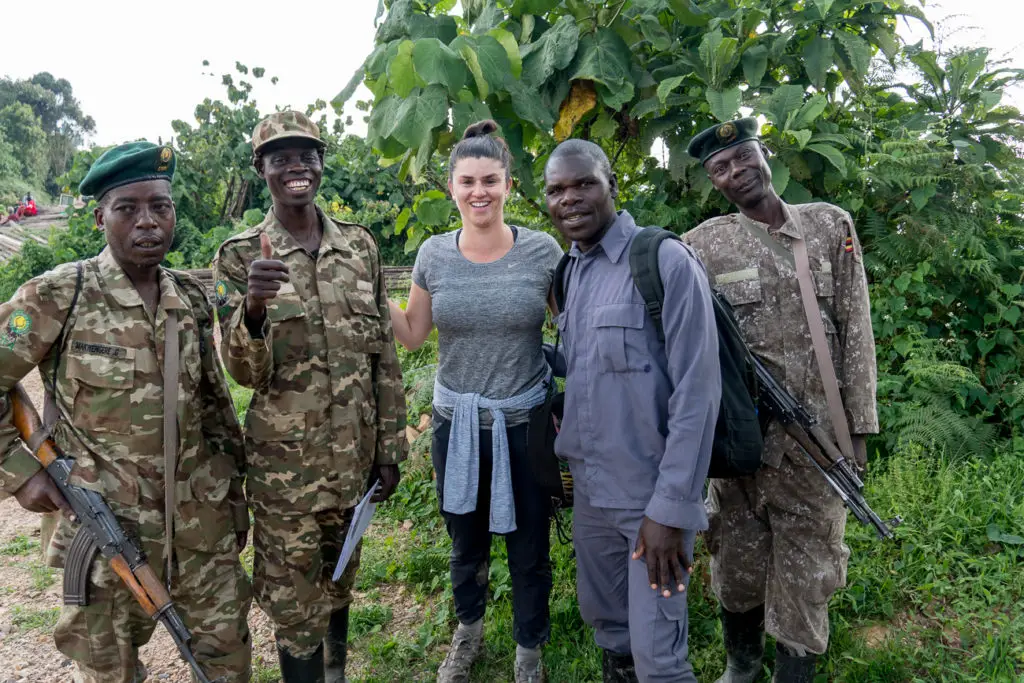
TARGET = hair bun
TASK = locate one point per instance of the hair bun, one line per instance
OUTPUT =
(480, 129)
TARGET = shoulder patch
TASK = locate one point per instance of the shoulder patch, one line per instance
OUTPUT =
(18, 324)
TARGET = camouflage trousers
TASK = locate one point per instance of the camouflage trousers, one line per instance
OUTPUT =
(776, 538)
(296, 552)
(211, 593)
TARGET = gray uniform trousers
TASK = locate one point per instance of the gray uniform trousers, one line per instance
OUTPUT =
(616, 599)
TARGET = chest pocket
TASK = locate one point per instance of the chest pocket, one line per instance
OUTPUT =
(103, 382)
(288, 316)
(364, 330)
(618, 329)
(823, 284)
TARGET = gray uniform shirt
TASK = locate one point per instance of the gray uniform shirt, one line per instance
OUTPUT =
(489, 316)
(639, 414)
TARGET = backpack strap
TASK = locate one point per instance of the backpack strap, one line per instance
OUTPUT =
(558, 282)
(643, 265)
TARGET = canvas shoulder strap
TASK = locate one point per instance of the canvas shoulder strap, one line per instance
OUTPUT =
(821, 352)
(50, 411)
(170, 434)
(643, 266)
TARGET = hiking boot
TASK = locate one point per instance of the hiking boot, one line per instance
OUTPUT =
(789, 668)
(529, 667)
(617, 668)
(295, 670)
(336, 647)
(465, 648)
(743, 633)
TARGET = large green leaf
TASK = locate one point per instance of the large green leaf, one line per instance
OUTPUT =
(655, 33)
(396, 25)
(724, 103)
(755, 64)
(823, 7)
(668, 85)
(718, 55)
(780, 174)
(490, 18)
(688, 14)
(856, 53)
(437, 63)
(529, 105)
(604, 58)
(833, 155)
(432, 208)
(442, 27)
(886, 40)
(419, 114)
(781, 104)
(818, 55)
(469, 56)
(552, 51)
(346, 93)
(508, 41)
(382, 119)
(802, 137)
(401, 71)
(493, 61)
(465, 114)
(809, 111)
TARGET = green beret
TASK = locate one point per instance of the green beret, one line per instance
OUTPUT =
(125, 164)
(721, 136)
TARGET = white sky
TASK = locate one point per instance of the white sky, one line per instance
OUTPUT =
(137, 66)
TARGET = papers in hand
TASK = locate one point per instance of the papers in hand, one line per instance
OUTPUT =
(360, 521)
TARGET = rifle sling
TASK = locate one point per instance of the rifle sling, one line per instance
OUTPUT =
(170, 434)
(826, 369)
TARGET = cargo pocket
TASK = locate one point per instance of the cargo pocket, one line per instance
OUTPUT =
(276, 426)
(288, 316)
(668, 640)
(204, 521)
(103, 384)
(620, 343)
(364, 324)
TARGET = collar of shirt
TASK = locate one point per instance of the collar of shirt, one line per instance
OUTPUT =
(790, 228)
(283, 243)
(614, 241)
(117, 284)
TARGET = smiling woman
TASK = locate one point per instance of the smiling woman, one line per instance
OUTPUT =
(486, 286)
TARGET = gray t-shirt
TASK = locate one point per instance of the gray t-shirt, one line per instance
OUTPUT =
(489, 316)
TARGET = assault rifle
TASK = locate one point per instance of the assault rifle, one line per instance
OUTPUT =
(100, 533)
(819, 448)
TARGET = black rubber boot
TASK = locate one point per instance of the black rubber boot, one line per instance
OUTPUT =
(616, 668)
(336, 647)
(294, 670)
(792, 669)
(743, 633)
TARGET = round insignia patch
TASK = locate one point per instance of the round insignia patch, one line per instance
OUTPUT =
(726, 132)
(165, 159)
(220, 291)
(20, 323)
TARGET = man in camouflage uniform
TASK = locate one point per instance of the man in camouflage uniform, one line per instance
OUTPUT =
(110, 401)
(776, 538)
(305, 322)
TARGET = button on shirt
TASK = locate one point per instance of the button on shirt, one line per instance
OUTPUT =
(639, 414)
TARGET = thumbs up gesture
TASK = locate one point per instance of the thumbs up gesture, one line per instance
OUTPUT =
(266, 275)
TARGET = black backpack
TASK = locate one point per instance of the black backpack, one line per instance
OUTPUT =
(738, 437)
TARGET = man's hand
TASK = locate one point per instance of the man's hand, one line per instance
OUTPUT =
(40, 494)
(266, 275)
(389, 476)
(662, 546)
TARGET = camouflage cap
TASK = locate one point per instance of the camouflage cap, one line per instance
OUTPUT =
(721, 136)
(285, 124)
(129, 163)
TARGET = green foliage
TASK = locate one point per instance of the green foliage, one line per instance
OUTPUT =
(28, 619)
(930, 170)
(23, 131)
(19, 545)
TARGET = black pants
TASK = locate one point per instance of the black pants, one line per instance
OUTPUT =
(528, 546)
